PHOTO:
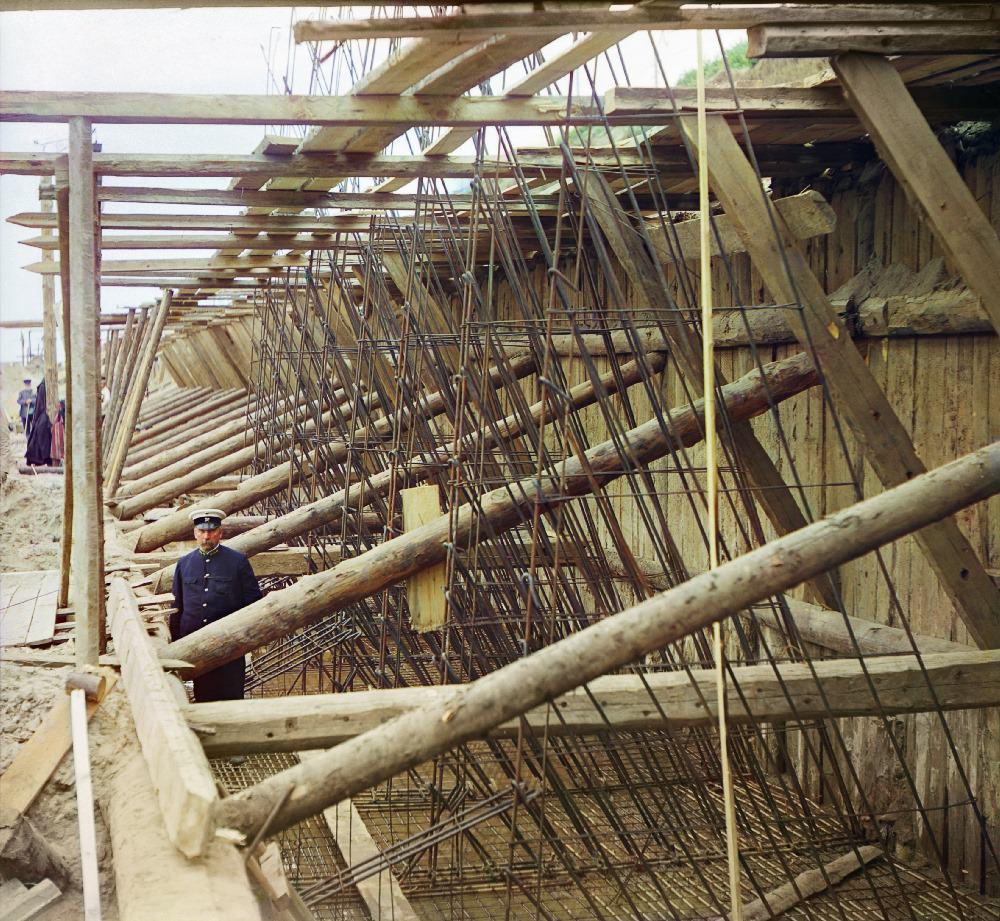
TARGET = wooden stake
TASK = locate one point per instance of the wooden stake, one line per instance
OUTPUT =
(85, 806)
(87, 562)
(66, 541)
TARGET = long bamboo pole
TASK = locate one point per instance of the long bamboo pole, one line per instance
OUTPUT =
(319, 595)
(474, 709)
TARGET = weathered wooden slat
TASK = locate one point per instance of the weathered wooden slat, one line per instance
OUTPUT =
(804, 41)
(177, 765)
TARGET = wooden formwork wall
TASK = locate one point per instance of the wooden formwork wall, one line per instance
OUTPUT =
(217, 355)
(946, 391)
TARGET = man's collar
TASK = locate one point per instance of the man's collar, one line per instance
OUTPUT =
(211, 552)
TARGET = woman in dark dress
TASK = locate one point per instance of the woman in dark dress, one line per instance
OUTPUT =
(39, 453)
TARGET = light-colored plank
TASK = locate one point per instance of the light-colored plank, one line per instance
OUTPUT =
(797, 41)
(85, 806)
(424, 591)
(37, 760)
(381, 893)
(32, 902)
(177, 765)
(28, 606)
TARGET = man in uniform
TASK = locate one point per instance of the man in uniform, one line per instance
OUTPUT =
(26, 406)
(210, 583)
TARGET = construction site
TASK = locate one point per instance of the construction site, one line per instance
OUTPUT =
(617, 456)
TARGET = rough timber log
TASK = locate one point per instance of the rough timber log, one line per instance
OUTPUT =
(313, 597)
(125, 430)
(474, 709)
(660, 700)
(252, 490)
(352, 499)
(205, 471)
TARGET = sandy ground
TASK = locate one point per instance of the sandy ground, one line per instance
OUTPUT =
(30, 530)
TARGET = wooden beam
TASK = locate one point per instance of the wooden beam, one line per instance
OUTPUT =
(282, 612)
(87, 564)
(882, 438)
(138, 380)
(425, 591)
(612, 643)
(805, 41)
(177, 765)
(929, 177)
(786, 692)
(785, 102)
(348, 111)
(381, 893)
(152, 878)
(664, 17)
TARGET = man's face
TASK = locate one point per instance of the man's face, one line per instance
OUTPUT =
(208, 538)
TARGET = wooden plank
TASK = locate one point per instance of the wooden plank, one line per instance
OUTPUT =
(381, 893)
(37, 760)
(85, 805)
(798, 41)
(244, 109)
(929, 177)
(807, 215)
(32, 902)
(425, 592)
(756, 693)
(531, 21)
(28, 606)
(177, 765)
(87, 564)
(884, 441)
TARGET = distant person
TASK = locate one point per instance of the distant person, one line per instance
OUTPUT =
(26, 405)
(59, 434)
(210, 583)
(39, 452)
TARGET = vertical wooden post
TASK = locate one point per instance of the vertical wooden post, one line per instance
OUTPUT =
(87, 556)
(136, 391)
(62, 210)
(49, 323)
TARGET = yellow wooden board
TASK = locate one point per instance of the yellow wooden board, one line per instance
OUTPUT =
(424, 591)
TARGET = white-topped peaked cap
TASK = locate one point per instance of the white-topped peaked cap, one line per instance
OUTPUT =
(207, 518)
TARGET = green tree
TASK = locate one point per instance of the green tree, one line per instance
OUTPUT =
(738, 60)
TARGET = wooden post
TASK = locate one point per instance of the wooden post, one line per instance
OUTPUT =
(87, 557)
(906, 142)
(66, 543)
(474, 709)
(424, 591)
(883, 440)
(136, 391)
(49, 325)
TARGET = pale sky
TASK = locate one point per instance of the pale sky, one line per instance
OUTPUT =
(172, 51)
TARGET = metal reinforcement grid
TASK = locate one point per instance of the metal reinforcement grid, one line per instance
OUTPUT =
(470, 348)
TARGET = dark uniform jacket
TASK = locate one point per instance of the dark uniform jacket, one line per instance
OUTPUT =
(207, 588)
